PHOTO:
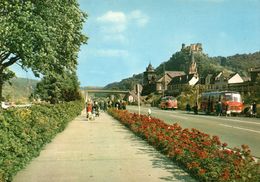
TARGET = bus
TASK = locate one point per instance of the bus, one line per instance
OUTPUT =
(230, 101)
(168, 102)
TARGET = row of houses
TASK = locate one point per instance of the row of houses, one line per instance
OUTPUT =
(174, 82)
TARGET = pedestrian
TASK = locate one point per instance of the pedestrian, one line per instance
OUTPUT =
(105, 106)
(149, 113)
(188, 109)
(124, 105)
(254, 109)
(89, 111)
(218, 109)
(228, 112)
(195, 108)
(209, 106)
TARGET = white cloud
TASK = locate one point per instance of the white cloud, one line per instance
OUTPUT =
(112, 53)
(138, 17)
(115, 38)
(115, 29)
(114, 24)
(113, 17)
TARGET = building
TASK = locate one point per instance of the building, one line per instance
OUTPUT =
(255, 74)
(181, 83)
(192, 48)
(149, 76)
(162, 83)
(223, 79)
(191, 78)
(149, 80)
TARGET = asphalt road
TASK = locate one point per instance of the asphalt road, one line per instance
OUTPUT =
(235, 131)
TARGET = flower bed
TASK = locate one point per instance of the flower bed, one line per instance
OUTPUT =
(203, 156)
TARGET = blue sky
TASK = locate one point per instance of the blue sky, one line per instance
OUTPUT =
(125, 35)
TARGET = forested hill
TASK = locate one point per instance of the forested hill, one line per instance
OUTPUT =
(180, 61)
(19, 90)
(241, 62)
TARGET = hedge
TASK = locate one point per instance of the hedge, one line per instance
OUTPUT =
(25, 131)
(202, 156)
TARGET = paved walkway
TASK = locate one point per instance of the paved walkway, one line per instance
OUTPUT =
(100, 151)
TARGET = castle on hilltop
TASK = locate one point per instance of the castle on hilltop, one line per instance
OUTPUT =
(195, 48)
(174, 82)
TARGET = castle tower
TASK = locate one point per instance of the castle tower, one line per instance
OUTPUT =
(193, 65)
(149, 75)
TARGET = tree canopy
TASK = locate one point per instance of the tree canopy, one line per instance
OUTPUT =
(44, 36)
(54, 88)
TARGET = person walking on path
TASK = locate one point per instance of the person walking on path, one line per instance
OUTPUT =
(254, 109)
(219, 109)
(89, 110)
(188, 108)
(195, 108)
(149, 113)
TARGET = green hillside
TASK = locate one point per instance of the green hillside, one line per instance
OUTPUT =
(180, 61)
(19, 90)
(125, 84)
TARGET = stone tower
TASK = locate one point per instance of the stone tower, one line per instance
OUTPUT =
(149, 75)
(193, 65)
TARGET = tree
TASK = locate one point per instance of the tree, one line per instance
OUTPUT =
(44, 36)
(54, 88)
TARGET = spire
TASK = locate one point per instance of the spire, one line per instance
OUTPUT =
(193, 66)
(150, 67)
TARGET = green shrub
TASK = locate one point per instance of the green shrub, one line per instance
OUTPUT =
(24, 132)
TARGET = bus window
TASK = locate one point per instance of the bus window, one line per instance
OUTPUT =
(236, 97)
(228, 97)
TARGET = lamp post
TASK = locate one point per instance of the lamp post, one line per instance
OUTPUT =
(164, 82)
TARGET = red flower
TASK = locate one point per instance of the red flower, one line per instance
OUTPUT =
(224, 145)
(226, 174)
(202, 172)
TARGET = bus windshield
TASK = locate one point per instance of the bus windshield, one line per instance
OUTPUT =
(232, 97)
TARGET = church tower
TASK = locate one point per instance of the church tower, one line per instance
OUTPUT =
(193, 65)
(149, 75)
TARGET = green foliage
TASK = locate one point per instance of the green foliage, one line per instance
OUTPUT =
(24, 132)
(55, 88)
(125, 84)
(242, 62)
(42, 35)
(188, 96)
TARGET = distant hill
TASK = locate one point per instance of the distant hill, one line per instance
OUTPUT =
(180, 61)
(241, 62)
(19, 90)
(125, 84)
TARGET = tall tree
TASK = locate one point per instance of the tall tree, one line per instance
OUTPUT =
(58, 87)
(44, 36)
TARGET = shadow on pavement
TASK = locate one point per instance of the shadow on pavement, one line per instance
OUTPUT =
(158, 160)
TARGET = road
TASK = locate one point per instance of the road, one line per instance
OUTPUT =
(235, 131)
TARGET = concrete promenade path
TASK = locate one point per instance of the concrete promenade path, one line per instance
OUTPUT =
(102, 150)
